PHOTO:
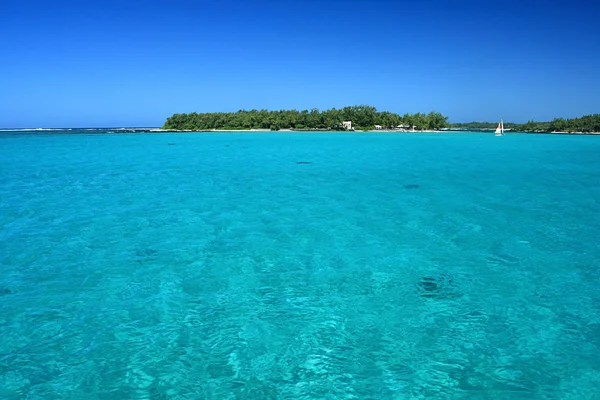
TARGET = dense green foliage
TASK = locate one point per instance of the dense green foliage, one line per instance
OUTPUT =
(587, 123)
(362, 117)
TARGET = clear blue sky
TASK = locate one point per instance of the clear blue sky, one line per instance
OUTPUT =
(134, 63)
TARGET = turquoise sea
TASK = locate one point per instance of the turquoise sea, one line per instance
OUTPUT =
(299, 266)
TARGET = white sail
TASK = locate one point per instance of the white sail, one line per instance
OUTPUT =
(500, 129)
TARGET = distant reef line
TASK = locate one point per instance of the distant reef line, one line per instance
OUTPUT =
(362, 117)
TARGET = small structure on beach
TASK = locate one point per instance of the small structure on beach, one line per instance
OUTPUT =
(347, 125)
(377, 126)
(406, 127)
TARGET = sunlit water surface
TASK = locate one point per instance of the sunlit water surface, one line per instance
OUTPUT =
(299, 266)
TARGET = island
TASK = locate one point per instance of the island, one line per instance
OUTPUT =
(585, 124)
(360, 117)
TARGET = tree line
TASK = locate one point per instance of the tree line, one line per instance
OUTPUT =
(586, 124)
(363, 118)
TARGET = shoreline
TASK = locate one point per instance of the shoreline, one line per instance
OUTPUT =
(307, 131)
(159, 130)
(291, 130)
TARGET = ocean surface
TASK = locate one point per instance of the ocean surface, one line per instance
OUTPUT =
(299, 266)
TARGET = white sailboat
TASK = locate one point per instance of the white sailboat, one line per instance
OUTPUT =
(500, 129)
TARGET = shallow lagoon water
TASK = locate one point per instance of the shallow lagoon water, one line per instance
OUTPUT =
(299, 266)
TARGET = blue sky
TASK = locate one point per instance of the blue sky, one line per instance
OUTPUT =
(134, 63)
